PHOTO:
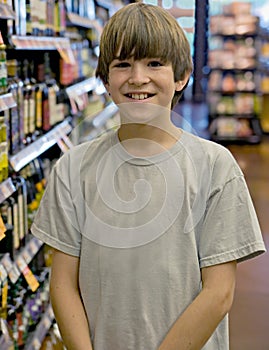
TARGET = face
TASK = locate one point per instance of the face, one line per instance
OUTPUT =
(145, 81)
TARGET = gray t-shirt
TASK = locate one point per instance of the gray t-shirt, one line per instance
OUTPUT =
(143, 228)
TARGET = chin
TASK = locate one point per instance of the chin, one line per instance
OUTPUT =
(141, 112)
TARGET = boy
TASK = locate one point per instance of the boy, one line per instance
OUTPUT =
(148, 222)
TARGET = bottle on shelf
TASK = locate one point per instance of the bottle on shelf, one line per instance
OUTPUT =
(28, 17)
(50, 18)
(29, 104)
(52, 114)
(42, 17)
(3, 148)
(35, 14)
(36, 122)
(15, 88)
(59, 18)
(21, 198)
(34, 185)
(45, 123)
(3, 67)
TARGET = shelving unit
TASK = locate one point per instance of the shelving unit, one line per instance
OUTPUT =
(84, 101)
(234, 94)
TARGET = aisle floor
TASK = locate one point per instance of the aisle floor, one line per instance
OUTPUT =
(249, 317)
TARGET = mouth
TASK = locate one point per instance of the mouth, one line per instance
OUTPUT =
(139, 96)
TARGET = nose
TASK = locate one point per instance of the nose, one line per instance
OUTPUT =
(138, 74)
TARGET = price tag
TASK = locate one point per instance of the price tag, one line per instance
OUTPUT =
(27, 273)
(27, 256)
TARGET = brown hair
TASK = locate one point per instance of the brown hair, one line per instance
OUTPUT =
(145, 31)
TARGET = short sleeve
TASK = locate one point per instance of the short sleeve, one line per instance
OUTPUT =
(56, 221)
(230, 228)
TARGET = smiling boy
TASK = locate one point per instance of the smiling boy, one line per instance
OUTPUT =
(147, 222)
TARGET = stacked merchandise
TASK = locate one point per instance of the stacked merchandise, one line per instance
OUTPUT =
(234, 94)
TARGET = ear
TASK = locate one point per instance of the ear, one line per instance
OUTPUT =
(107, 88)
(179, 85)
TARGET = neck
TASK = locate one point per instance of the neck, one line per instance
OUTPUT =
(146, 140)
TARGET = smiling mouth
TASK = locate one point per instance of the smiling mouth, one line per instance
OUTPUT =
(139, 96)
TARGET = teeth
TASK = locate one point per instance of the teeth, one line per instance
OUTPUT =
(139, 96)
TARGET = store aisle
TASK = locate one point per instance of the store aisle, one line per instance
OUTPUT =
(249, 317)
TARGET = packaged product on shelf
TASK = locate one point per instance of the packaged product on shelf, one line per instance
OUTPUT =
(35, 11)
(228, 83)
(59, 17)
(237, 7)
(28, 17)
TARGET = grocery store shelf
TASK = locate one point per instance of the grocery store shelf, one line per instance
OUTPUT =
(39, 43)
(26, 155)
(81, 87)
(83, 21)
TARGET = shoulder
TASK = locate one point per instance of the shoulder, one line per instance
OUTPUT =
(209, 156)
(213, 150)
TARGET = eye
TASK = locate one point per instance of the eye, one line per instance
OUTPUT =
(121, 64)
(155, 63)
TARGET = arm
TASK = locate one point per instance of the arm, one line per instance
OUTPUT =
(197, 323)
(66, 302)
